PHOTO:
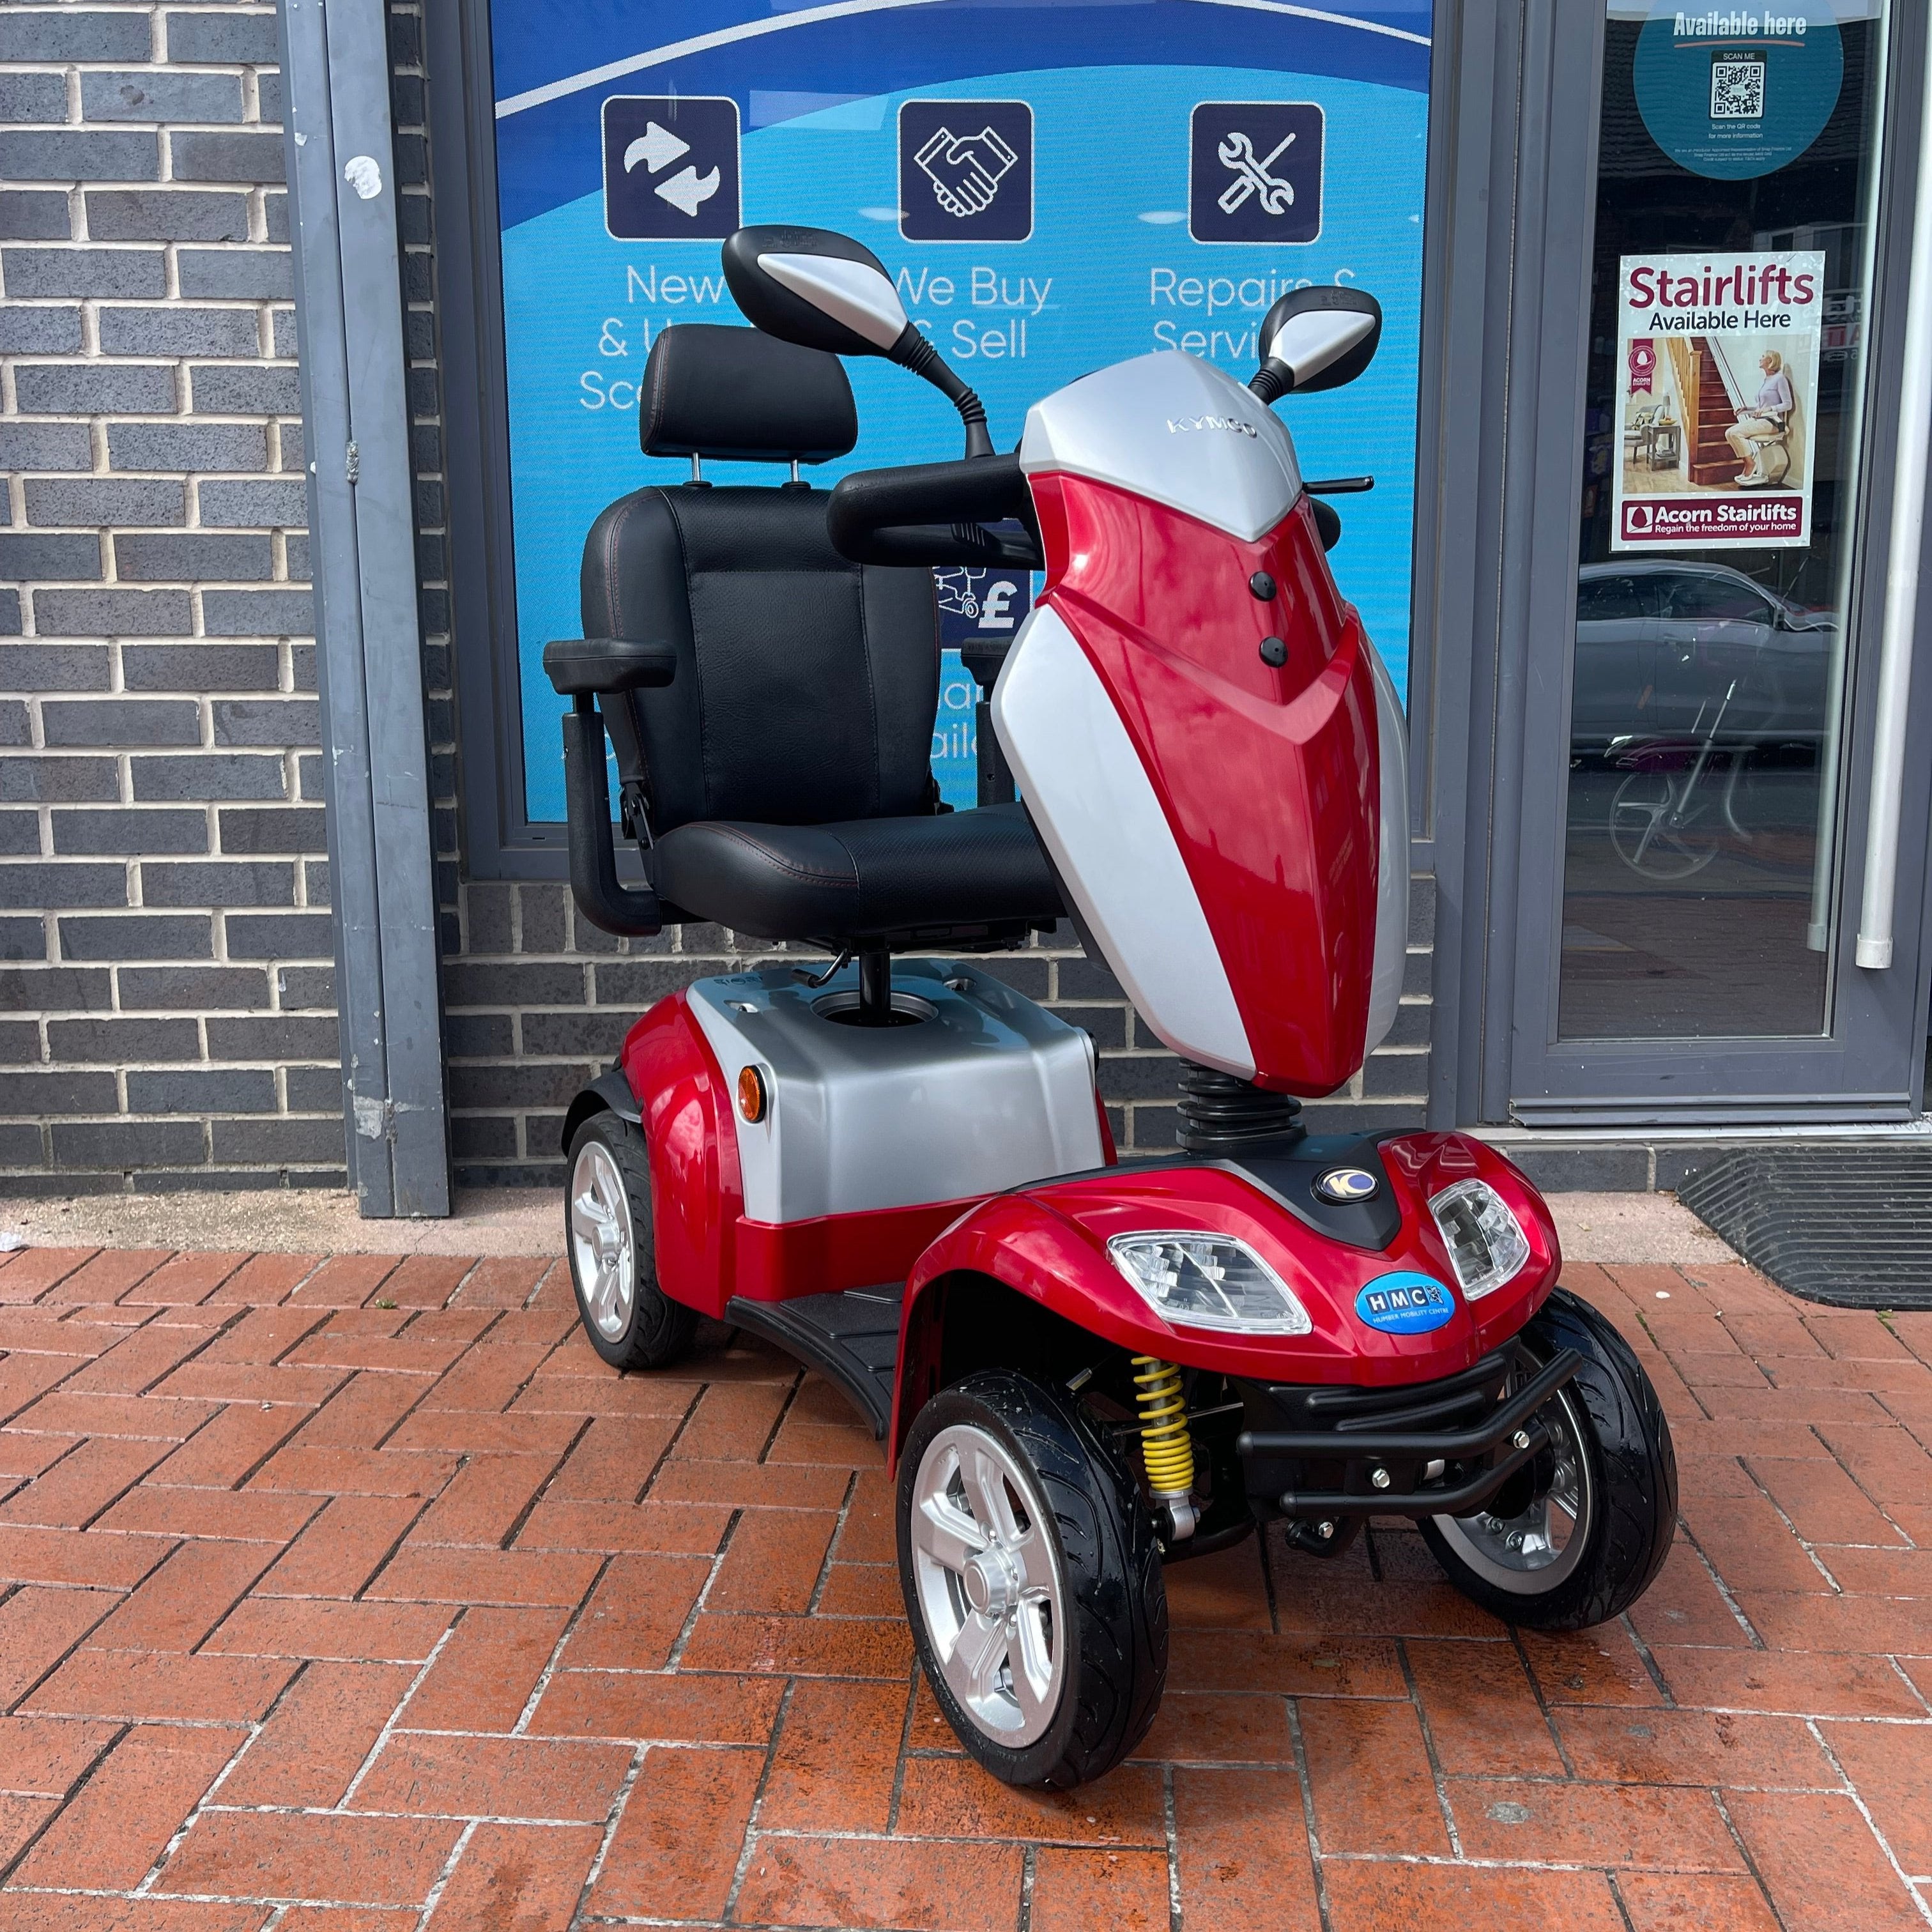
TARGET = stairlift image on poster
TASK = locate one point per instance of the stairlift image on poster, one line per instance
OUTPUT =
(1717, 361)
(1104, 199)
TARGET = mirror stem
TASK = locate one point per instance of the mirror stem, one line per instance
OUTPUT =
(913, 351)
(1267, 382)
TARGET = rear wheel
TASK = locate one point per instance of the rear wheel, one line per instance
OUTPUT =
(1575, 1536)
(630, 1320)
(1033, 1581)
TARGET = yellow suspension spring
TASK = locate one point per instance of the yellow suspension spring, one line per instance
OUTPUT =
(1165, 1443)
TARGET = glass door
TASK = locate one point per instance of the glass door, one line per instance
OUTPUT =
(1693, 768)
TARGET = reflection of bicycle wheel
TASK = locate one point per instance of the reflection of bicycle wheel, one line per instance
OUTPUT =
(1655, 834)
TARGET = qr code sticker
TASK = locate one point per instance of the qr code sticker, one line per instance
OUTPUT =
(1737, 90)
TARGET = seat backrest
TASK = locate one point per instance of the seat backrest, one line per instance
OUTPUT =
(806, 686)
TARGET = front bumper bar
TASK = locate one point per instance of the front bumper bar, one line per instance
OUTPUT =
(1508, 1428)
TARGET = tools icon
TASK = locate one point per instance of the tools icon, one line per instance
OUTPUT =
(1255, 171)
(965, 170)
(1251, 176)
(647, 195)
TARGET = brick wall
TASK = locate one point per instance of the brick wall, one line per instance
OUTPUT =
(166, 1007)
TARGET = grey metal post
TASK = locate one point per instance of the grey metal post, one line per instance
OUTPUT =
(349, 318)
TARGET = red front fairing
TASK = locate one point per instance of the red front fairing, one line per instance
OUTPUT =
(1268, 776)
(1049, 1243)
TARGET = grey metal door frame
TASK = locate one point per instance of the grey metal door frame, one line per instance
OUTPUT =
(1501, 747)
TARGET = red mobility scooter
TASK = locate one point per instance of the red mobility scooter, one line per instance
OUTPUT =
(899, 1168)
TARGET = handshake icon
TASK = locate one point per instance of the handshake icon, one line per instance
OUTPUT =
(965, 170)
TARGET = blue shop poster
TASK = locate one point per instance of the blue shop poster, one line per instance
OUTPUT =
(1055, 187)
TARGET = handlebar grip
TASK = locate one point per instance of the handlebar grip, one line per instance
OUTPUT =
(927, 513)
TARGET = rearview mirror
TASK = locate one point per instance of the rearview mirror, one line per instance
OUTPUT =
(1316, 338)
(826, 291)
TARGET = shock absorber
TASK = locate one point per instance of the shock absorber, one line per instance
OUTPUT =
(1166, 1447)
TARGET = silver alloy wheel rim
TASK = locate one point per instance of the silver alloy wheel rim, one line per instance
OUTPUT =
(603, 1240)
(988, 1579)
(1530, 1554)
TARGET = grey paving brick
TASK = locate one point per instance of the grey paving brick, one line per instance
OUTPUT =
(282, 325)
(54, 989)
(89, 723)
(517, 1084)
(241, 389)
(248, 830)
(85, 832)
(289, 935)
(596, 1032)
(41, 779)
(33, 96)
(21, 939)
(213, 776)
(479, 1036)
(13, 726)
(255, 613)
(61, 1092)
(637, 983)
(178, 330)
(504, 983)
(1391, 1076)
(195, 1090)
(311, 785)
(114, 613)
(20, 1147)
(163, 94)
(179, 556)
(59, 500)
(269, 91)
(295, 457)
(226, 38)
(94, 388)
(237, 275)
(314, 1089)
(72, 154)
(39, 446)
(167, 215)
(44, 557)
(198, 668)
(273, 1142)
(298, 553)
(247, 158)
(179, 445)
(74, 34)
(20, 835)
(315, 881)
(192, 988)
(39, 666)
(37, 330)
(276, 1036)
(249, 504)
(35, 215)
(302, 658)
(129, 1146)
(220, 882)
(138, 936)
(297, 986)
(122, 1041)
(266, 720)
(10, 614)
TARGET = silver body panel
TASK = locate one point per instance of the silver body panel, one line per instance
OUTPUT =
(1097, 814)
(1392, 857)
(1177, 431)
(990, 1093)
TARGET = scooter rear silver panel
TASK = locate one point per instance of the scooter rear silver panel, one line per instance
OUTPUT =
(990, 1092)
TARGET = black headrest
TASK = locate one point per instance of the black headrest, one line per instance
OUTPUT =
(742, 396)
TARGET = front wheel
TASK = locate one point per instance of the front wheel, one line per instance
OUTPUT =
(1033, 1582)
(630, 1320)
(1575, 1537)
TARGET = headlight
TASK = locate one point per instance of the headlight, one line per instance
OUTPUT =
(1209, 1281)
(1486, 1241)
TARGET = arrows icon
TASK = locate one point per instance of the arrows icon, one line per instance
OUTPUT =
(687, 190)
(657, 147)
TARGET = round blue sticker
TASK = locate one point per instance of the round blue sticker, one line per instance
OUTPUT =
(1731, 92)
(1405, 1302)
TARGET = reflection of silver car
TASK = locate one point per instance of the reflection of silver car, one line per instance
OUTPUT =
(1661, 644)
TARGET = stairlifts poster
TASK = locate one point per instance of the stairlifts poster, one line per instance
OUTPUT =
(1717, 361)
(1054, 187)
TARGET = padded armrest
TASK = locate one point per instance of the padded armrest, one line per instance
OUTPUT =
(584, 666)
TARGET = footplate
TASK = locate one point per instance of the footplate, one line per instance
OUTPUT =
(852, 1340)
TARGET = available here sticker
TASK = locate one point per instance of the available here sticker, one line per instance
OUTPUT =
(1717, 402)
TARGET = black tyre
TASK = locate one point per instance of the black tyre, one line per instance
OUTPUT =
(1033, 1582)
(606, 1224)
(1575, 1537)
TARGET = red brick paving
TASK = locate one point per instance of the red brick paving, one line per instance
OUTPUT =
(352, 1594)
